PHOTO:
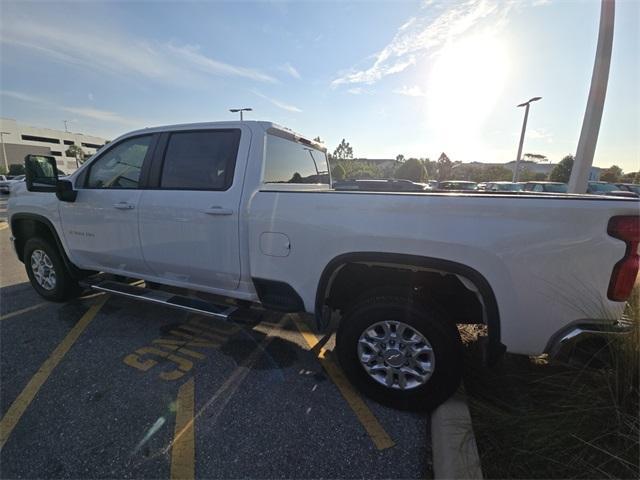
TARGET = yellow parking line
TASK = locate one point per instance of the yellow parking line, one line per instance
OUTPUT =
(183, 449)
(379, 436)
(3, 225)
(24, 310)
(20, 405)
(182, 460)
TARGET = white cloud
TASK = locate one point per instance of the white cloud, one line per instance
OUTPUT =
(414, 91)
(540, 3)
(102, 115)
(422, 34)
(291, 70)
(193, 56)
(278, 103)
(538, 134)
(119, 53)
(356, 91)
(87, 112)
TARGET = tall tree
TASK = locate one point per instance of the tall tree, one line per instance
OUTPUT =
(562, 171)
(611, 174)
(413, 169)
(400, 158)
(444, 166)
(16, 169)
(343, 151)
(535, 157)
(338, 172)
(76, 152)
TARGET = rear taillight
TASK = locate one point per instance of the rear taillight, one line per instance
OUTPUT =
(623, 277)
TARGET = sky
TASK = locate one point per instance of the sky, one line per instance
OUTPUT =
(415, 78)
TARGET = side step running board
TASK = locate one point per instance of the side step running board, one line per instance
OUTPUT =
(180, 302)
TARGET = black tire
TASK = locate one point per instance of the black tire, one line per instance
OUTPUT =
(65, 286)
(427, 320)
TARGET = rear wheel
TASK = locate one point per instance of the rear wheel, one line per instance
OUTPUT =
(47, 271)
(400, 352)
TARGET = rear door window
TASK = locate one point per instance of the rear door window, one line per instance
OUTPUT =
(291, 162)
(200, 160)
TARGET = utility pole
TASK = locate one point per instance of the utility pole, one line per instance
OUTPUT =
(595, 103)
(65, 126)
(4, 150)
(236, 110)
(524, 128)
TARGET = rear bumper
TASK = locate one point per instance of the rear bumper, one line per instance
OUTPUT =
(563, 342)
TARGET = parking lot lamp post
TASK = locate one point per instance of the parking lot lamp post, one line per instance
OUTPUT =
(524, 127)
(4, 151)
(236, 110)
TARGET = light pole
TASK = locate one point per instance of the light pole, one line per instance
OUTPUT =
(595, 103)
(4, 151)
(524, 127)
(65, 126)
(236, 110)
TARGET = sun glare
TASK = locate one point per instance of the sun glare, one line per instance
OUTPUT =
(464, 84)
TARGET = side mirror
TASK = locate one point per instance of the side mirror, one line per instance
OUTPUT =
(41, 175)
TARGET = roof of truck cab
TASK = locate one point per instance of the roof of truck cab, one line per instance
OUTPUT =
(253, 124)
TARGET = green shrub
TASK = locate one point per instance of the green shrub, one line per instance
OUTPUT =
(413, 169)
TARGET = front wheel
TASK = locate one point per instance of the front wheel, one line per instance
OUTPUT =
(400, 352)
(47, 272)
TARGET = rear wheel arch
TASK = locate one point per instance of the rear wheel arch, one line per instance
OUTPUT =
(473, 280)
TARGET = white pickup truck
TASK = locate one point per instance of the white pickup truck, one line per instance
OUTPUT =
(246, 210)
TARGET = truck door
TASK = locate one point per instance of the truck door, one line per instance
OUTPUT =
(101, 226)
(189, 219)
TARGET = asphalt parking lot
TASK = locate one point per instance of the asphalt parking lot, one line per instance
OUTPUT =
(108, 387)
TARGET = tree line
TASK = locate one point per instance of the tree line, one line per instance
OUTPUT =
(344, 166)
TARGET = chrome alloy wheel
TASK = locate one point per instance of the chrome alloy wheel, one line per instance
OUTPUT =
(396, 355)
(43, 270)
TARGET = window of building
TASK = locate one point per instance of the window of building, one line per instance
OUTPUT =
(202, 160)
(33, 138)
(92, 145)
(120, 166)
(290, 162)
(56, 154)
(68, 142)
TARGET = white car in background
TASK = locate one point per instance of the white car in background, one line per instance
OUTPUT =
(6, 183)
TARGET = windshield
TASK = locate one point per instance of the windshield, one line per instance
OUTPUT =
(508, 187)
(459, 186)
(555, 187)
(602, 187)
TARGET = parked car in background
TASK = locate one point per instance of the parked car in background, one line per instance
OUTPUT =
(629, 187)
(381, 185)
(503, 187)
(4, 184)
(9, 182)
(549, 187)
(604, 188)
(457, 185)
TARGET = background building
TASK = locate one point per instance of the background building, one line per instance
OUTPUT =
(19, 140)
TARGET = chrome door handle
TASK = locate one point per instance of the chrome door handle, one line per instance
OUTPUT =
(123, 206)
(218, 211)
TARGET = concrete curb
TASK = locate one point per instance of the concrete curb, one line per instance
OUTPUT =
(454, 449)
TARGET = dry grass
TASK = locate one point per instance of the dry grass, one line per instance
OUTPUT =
(534, 419)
